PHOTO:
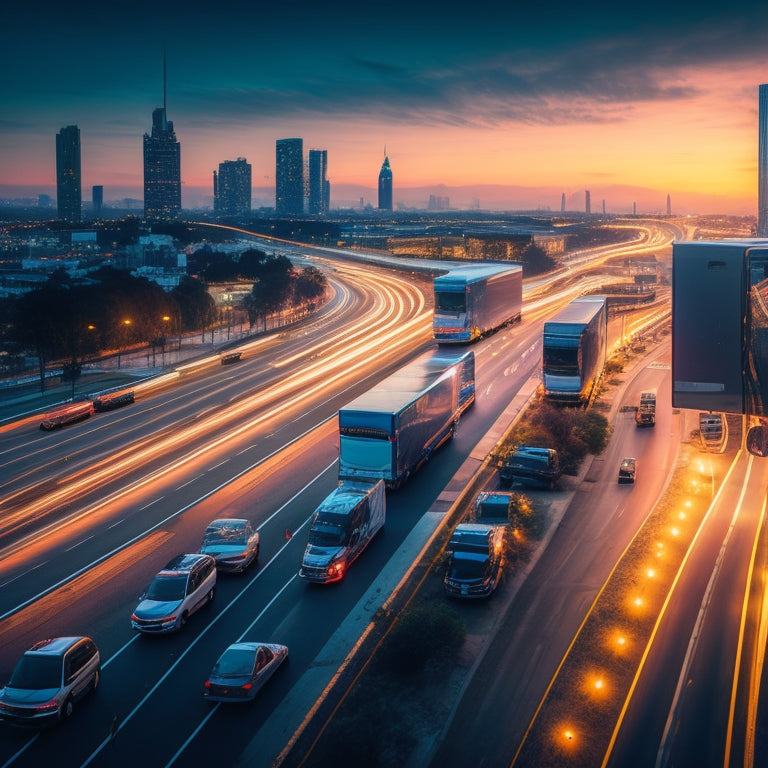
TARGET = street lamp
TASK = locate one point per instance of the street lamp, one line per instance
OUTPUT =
(124, 336)
(166, 319)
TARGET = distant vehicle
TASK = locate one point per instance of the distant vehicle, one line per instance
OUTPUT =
(574, 350)
(228, 358)
(342, 527)
(48, 680)
(70, 414)
(242, 670)
(388, 432)
(531, 467)
(475, 560)
(184, 586)
(627, 470)
(645, 416)
(232, 543)
(473, 301)
(111, 400)
(713, 432)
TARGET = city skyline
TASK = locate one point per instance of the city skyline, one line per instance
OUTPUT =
(632, 105)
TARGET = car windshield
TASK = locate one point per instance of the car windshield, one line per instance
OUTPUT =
(167, 588)
(215, 537)
(464, 568)
(235, 662)
(36, 672)
(327, 535)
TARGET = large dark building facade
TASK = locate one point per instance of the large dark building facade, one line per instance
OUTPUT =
(385, 186)
(162, 170)
(68, 181)
(319, 186)
(289, 177)
(232, 188)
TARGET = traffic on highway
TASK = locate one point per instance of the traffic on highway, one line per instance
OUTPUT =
(112, 530)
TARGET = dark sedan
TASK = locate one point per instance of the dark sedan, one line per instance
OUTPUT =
(242, 670)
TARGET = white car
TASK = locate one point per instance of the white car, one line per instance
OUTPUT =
(184, 586)
(48, 679)
(232, 543)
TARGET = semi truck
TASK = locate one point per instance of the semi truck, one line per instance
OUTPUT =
(473, 301)
(645, 416)
(574, 350)
(342, 527)
(388, 432)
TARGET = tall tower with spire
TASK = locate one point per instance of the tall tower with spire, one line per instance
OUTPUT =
(385, 185)
(162, 166)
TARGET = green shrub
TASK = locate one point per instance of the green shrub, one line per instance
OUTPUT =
(434, 630)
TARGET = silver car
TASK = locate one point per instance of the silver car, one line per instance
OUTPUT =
(184, 586)
(242, 670)
(48, 679)
(232, 543)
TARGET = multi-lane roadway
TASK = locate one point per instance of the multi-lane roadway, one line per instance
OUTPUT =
(90, 513)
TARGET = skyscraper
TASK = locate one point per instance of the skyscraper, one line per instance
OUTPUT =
(232, 188)
(289, 177)
(669, 205)
(762, 162)
(588, 202)
(319, 187)
(162, 167)
(385, 185)
(68, 184)
(98, 199)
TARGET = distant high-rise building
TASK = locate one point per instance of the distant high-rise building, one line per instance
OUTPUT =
(562, 203)
(289, 177)
(603, 207)
(588, 204)
(385, 185)
(319, 186)
(762, 163)
(232, 188)
(438, 203)
(634, 209)
(68, 184)
(162, 167)
(669, 205)
(97, 199)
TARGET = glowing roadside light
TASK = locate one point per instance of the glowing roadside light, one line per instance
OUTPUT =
(568, 734)
(681, 515)
(650, 573)
(621, 641)
(638, 601)
(675, 531)
(688, 504)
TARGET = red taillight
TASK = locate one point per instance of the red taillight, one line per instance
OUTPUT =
(248, 686)
(207, 683)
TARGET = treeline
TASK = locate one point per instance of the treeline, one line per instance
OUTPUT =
(70, 320)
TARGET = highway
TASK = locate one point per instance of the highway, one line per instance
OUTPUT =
(93, 511)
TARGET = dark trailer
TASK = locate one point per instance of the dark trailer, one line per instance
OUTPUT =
(473, 301)
(574, 350)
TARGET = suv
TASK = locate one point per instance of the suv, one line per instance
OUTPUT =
(475, 560)
(48, 679)
(186, 584)
(627, 470)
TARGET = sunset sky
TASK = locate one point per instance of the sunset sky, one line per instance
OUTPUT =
(633, 101)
